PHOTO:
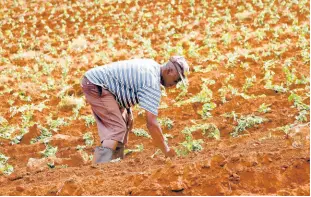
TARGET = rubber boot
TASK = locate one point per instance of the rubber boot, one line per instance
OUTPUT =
(119, 152)
(102, 155)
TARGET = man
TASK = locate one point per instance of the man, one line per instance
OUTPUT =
(113, 89)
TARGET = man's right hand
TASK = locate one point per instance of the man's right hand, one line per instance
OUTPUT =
(157, 136)
(171, 153)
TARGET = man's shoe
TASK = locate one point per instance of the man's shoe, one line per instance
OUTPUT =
(102, 155)
(119, 152)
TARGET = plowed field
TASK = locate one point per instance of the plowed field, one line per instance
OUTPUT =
(242, 126)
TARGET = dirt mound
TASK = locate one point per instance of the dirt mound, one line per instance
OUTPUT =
(242, 127)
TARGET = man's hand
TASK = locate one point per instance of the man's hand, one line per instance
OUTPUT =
(130, 120)
(171, 153)
(157, 136)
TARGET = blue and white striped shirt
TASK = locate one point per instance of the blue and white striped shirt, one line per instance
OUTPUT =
(135, 81)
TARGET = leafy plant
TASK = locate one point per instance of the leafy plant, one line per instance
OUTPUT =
(302, 116)
(249, 83)
(206, 108)
(231, 115)
(264, 108)
(88, 139)
(245, 122)
(6, 130)
(168, 123)
(55, 124)
(5, 168)
(71, 102)
(44, 137)
(141, 133)
(204, 96)
(49, 151)
(298, 102)
(139, 148)
(89, 120)
(189, 145)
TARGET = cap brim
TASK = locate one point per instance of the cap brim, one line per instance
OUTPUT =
(182, 79)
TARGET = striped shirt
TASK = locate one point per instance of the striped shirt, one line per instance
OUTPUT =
(135, 81)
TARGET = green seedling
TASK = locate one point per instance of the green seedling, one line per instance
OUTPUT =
(141, 133)
(88, 139)
(49, 151)
(245, 122)
(264, 108)
(168, 123)
(5, 168)
(89, 120)
(139, 148)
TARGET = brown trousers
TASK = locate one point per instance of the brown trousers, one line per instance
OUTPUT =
(111, 119)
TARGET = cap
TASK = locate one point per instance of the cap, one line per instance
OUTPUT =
(183, 71)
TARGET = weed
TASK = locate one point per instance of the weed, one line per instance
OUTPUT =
(245, 122)
(302, 116)
(141, 133)
(189, 145)
(88, 139)
(206, 108)
(264, 108)
(230, 115)
(49, 151)
(5, 168)
(168, 123)
(139, 148)
(286, 129)
(89, 120)
(71, 102)
(249, 83)
(44, 137)
(55, 124)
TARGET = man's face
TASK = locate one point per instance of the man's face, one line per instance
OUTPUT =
(170, 76)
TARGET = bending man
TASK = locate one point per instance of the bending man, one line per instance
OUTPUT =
(113, 89)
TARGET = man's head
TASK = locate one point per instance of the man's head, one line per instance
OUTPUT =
(174, 71)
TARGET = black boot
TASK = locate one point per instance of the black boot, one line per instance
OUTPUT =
(102, 155)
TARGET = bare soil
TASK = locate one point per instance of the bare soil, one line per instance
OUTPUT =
(260, 161)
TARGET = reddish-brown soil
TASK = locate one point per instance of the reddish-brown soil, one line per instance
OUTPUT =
(260, 161)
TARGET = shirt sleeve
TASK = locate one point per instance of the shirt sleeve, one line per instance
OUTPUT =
(149, 99)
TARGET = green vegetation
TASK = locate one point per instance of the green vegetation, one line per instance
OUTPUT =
(193, 145)
(55, 124)
(5, 168)
(141, 133)
(168, 123)
(88, 139)
(206, 108)
(44, 137)
(139, 148)
(245, 122)
(89, 120)
(264, 108)
(303, 108)
(49, 151)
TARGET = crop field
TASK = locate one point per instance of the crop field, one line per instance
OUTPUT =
(241, 126)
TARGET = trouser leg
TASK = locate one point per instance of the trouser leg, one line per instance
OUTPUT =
(112, 128)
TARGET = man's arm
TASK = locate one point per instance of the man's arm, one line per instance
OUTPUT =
(156, 134)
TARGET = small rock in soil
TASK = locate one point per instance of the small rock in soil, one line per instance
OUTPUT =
(235, 158)
(20, 188)
(177, 186)
(14, 177)
(234, 178)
